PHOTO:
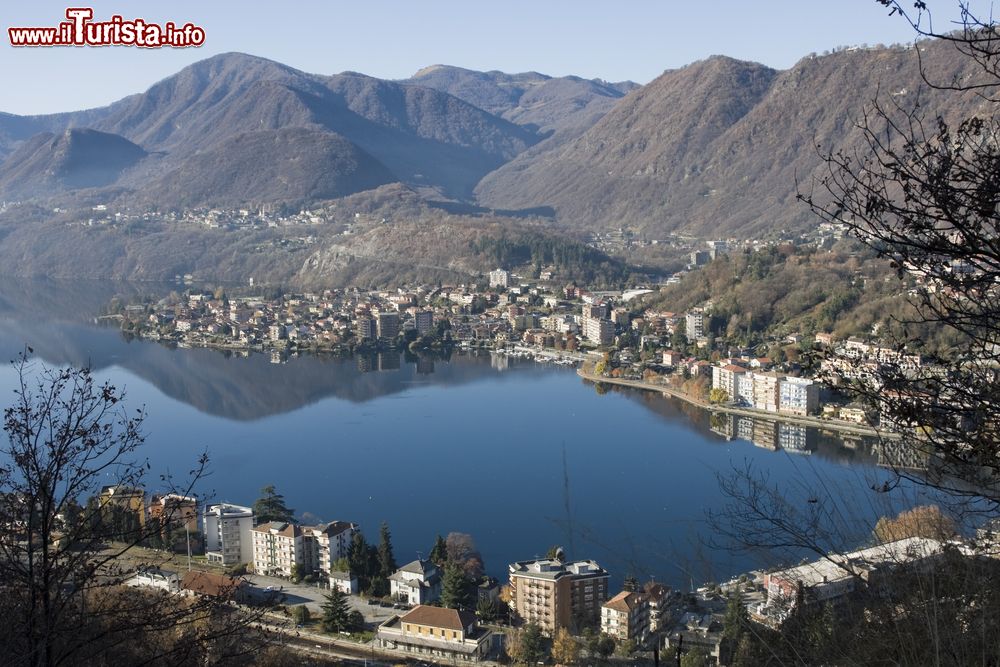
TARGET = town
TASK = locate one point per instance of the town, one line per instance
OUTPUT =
(339, 590)
(614, 336)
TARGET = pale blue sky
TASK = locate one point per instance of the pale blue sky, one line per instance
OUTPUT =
(392, 39)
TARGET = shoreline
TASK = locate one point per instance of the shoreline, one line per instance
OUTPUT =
(814, 422)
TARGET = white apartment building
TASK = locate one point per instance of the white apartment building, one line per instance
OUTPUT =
(798, 396)
(598, 331)
(499, 278)
(227, 534)
(324, 544)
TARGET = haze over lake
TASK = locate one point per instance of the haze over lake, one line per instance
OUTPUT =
(520, 455)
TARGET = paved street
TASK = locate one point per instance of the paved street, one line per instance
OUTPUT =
(313, 597)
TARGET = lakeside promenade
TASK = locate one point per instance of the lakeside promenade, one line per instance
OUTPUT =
(815, 422)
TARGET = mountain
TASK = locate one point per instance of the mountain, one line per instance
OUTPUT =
(721, 147)
(547, 104)
(73, 159)
(425, 137)
(301, 165)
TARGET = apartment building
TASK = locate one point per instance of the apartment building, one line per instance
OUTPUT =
(499, 278)
(423, 321)
(324, 544)
(626, 616)
(765, 391)
(387, 325)
(798, 396)
(127, 498)
(277, 548)
(228, 538)
(727, 378)
(598, 331)
(554, 594)
(174, 511)
(694, 324)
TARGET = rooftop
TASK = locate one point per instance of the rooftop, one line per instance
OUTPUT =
(439, 617)
(843, 566)
(551, 568)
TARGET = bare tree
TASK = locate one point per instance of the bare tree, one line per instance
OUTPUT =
(923, 191)
(63, 560)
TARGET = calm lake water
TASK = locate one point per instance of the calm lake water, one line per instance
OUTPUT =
(520, 455)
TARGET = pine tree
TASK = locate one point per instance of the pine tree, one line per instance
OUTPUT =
(439, 552)
(357, 557)
(455, 592)
(336, 612)
(387, 562)
(271, 507)
(532, 644)
(488, 609)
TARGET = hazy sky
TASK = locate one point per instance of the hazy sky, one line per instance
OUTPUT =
(392, 39)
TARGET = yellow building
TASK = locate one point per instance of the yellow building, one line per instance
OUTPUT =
(129, 498)
(445, 633)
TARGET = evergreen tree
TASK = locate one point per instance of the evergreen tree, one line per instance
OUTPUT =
(336, 612)
(386, 560)
(271, 507)
(455, 593)
(488, 609)
(357, 558)
(439, 552)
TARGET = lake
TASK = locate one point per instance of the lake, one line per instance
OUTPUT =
(520, 455)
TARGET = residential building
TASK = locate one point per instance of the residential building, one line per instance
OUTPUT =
(228, 538)
(499, 278)
(418, 582)
(388, 325)
(423, 321)
(213, 585)
(658, 597)
(345, 582)
(174, 511)
(277, 548)
(727, 378)
(626, 616)
(671, 358)
(694, 324)
(765, 391)
(365, 328)
(126, 498)
(154, 577)
(798, 396)
(700, 257)
(324, 544)
(597, 331)
(554, 594)
(434, 631)
(744, 389)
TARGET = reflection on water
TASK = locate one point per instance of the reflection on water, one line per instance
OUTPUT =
(520, 455)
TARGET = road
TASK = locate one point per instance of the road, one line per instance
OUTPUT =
(313, 596)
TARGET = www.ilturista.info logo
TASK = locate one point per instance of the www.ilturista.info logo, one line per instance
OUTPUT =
(81, 30)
